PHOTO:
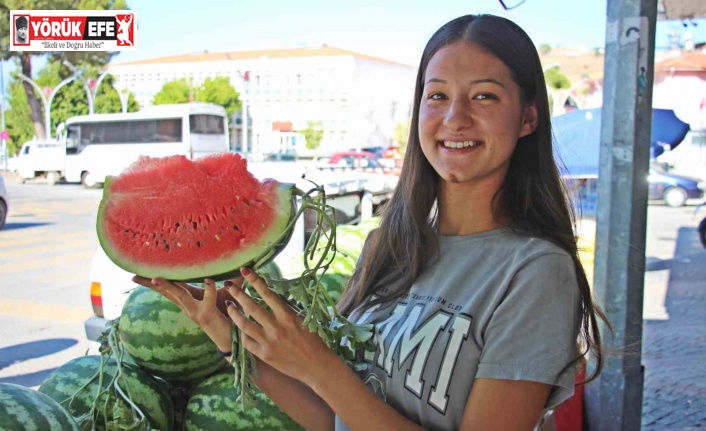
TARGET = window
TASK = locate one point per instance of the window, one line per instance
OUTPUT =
(122, 132)
(206, 124)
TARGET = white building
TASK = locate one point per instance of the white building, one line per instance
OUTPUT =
(358, 99)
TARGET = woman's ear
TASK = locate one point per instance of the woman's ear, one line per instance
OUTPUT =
(529, 121)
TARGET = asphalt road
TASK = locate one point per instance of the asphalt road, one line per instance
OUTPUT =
(49, 240)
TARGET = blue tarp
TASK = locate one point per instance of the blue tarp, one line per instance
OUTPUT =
(577, 137)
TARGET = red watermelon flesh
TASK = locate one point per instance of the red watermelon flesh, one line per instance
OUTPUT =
(187, 220)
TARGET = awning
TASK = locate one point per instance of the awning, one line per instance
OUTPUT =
(682, 9)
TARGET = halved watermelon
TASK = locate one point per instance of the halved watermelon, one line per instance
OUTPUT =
(186, 220)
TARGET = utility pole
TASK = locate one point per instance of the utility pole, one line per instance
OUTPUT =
(614, 401)
(2, 115)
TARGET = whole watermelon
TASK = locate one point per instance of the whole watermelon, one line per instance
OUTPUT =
(23, 409)
(163, 340)
(145, 391)
(214, 406)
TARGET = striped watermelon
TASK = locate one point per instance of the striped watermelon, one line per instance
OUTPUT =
(163, 340)
(214, 406)
(146, 392)
(24, 409)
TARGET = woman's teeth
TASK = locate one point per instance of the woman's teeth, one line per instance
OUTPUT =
(464, 144)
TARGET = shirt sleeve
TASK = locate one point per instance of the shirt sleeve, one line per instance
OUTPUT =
(532, 333)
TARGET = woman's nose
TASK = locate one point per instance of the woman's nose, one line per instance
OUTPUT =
(458, 115)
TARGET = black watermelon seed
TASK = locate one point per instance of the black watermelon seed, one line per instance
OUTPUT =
(195, 225)
(166, 247)
(156, 243)
(176, 225)
(198, 243)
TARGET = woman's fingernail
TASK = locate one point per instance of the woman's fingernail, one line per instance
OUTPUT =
(228, 284)
(245, 271)
(208, 281)
(230, 303)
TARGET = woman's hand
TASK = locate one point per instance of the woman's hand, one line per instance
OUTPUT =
(278, 338)
(205, 307)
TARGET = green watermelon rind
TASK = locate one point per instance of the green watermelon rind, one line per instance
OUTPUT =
(222, 269)
(145, 391)
(162, 339)
(24, 409)
(214, 405)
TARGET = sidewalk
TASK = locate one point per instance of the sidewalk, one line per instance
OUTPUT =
(674, 339)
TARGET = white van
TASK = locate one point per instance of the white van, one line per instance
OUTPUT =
(40, 159)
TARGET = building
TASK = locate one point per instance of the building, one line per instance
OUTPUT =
(357, 99)
(680, 84)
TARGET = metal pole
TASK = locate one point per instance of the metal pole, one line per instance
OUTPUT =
(47, 119)
(51, 98)
(244, 120)
(2, 108)
(614, 401)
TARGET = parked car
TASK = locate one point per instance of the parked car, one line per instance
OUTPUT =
(4, 202)
(355, 160)
(674, 189)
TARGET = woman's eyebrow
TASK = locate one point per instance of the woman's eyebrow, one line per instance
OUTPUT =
(487, 80)
(474, 82)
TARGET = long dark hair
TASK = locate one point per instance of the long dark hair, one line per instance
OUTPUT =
(533, 197)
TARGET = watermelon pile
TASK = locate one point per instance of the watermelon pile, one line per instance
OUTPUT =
(23, 409)
(188, 220)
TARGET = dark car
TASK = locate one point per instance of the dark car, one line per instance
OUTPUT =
(674, 189)
(4, 202)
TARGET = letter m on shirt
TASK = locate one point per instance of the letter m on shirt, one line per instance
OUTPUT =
(419, 343)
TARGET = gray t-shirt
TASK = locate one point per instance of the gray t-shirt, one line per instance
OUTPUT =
(495, 305)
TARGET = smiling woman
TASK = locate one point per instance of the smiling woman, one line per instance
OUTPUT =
(472, 281)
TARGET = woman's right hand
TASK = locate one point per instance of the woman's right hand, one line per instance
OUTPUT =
(205, 307)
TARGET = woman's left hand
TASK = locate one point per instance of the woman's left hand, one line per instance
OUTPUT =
(278, 338)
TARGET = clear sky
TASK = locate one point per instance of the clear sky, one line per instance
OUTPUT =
(393, 29)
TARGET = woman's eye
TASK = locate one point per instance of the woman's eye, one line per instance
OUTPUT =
(436, 96)
(485, 96)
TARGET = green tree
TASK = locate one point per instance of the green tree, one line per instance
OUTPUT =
(69, 101)
(313, 134)
(23, 59)
(544, 48)
(218, 91)
(556, 79)
(401, 136)
(221, 92)
(18, 118)
(178, 91)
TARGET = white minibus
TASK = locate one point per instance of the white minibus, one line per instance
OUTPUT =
(105, 144)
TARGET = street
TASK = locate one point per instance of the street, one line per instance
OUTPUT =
(49, 240)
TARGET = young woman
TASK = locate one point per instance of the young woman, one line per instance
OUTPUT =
(472, 281)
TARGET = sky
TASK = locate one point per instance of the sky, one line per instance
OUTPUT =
(392, 29)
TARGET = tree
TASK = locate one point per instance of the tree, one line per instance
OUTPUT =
(179, 91)
(556, 79)
(218, 91)
(401, 136)
(23, 59)
(313, 134)
(71, 100)
(544, 48)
